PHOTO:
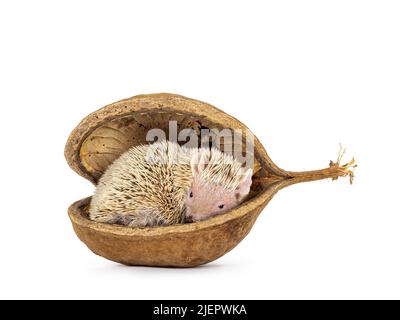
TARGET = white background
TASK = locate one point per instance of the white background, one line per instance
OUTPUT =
(303, 75)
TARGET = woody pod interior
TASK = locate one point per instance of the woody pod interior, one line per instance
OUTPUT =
(104, 135)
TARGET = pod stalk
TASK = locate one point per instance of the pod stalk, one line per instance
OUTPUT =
(334, 171)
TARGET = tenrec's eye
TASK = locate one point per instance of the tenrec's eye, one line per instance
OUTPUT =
(221, 206)
(191, 194)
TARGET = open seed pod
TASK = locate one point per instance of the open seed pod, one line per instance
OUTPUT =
(105, 134)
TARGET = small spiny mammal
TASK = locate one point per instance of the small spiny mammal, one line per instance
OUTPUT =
(164, 184)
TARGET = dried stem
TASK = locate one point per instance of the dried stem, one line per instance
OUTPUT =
(334, 171)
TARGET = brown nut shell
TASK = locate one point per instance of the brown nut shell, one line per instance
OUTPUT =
(105, 134)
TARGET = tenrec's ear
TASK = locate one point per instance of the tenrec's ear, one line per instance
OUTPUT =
(198, 163)
(243, 188)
